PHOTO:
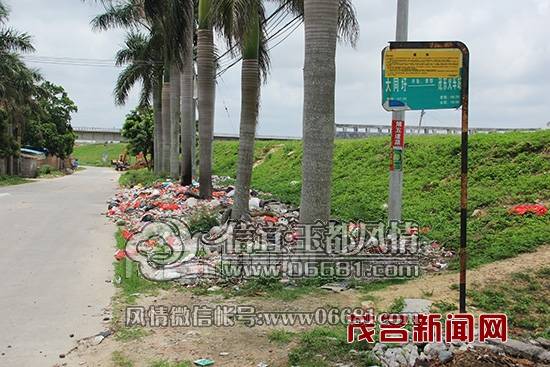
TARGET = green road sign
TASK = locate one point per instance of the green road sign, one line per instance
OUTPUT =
(421, 79)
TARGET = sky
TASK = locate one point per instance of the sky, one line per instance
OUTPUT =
(508, 42)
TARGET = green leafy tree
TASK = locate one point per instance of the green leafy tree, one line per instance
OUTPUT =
(138, 129)
(17, 87)
(49, 123)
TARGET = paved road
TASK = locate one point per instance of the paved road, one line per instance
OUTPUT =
(56, 256)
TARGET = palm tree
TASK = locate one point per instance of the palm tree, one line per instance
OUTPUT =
(207, 95)
(143, 65)
(245, 19)
(187, 107)
(242, 22)
(10, 39)
(131, 15)
(321, 18)
(175, 124)
(165, 20)
(18, 85)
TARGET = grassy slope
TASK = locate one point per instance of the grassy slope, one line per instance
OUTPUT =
(505, 169)
(91, 154)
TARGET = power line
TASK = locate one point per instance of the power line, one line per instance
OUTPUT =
(267, 20)
(82, 61)
(288, 35)
(279, 33)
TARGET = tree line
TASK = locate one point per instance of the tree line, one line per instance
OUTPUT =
(33, 111)
(169, 47)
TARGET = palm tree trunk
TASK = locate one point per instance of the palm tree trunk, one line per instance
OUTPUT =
(157, 114)
(320, 22)
(207, 97)
(175, 127)
(187, 105)
(165, 144)
(250, 95)
(250, 86)
(187, 117)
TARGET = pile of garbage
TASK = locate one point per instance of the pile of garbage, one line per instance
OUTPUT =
(134, 208)
(491, 353)
(131, 207)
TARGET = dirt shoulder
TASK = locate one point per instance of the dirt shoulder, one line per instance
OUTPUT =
(241, 345)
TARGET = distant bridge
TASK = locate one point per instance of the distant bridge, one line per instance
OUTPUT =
(343, 131)
(93, 135)
(97, 135)
(355, 131)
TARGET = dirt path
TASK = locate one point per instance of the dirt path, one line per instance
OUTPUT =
(436, 287)
(240, 346)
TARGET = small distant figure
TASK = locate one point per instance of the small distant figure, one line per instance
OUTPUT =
(74, 164)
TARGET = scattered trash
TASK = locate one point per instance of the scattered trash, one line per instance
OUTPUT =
(204, 362)
(336, 287)
(416, 306)
(262, 364)
(139, 207)
(224, 354)
(537, 209)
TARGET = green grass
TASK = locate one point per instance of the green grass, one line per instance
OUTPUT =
(326, 346)
(523, 297)
(92, 154)
(280, 336)
(165, 363)
(505, 169)
(12, 180)
(127, 334)
(47, 171)
(120, 360)
(444, 307)
(139, 176)
(397, 305)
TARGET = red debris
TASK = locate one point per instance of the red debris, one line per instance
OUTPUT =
(120, 254)
(412, 231)
(126, 234)
(270, 219)
(168, 206)
(537, 209)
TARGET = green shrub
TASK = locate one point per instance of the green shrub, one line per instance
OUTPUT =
(202, 220)
(45, 170)
(142, 176)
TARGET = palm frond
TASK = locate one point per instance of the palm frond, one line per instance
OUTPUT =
(348, 25)
(125, 82)
(264, 59)
(126, 15)
(13, 41)
(4, 12)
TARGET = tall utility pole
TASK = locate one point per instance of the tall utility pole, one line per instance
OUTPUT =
(398, 123)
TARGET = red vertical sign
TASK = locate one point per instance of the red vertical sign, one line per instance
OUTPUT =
(397, 144)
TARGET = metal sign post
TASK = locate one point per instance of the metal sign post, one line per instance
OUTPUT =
(427, 76)
(395, 201)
